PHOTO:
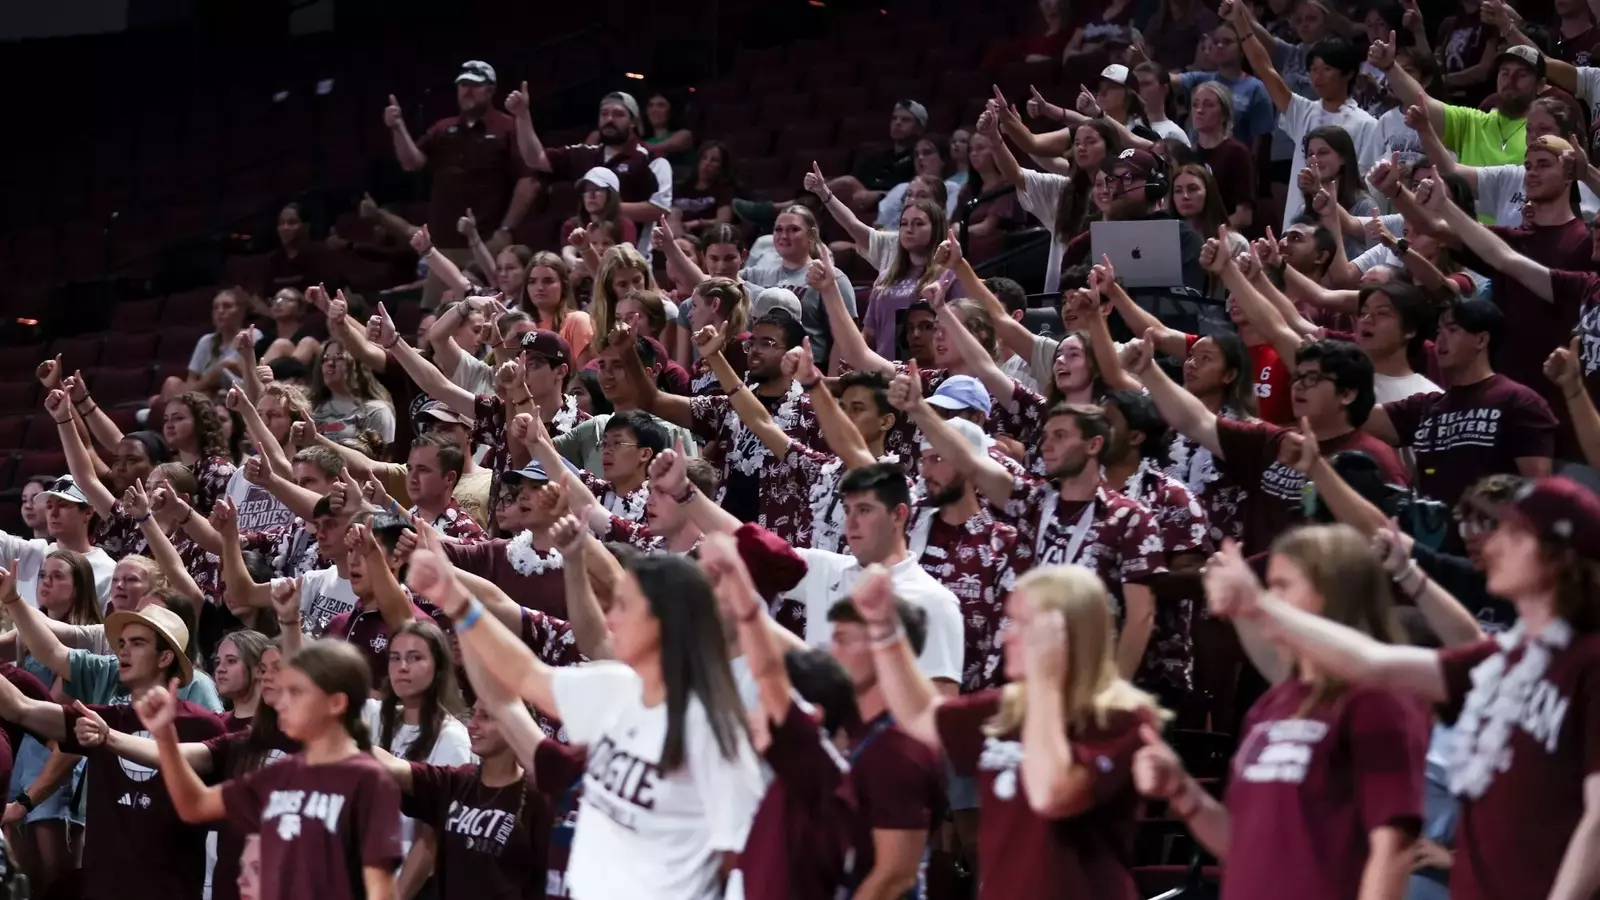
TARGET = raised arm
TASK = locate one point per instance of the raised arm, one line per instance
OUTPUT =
(1232, 591)
(683, 268)
(405, 149)
(41, 717)
(838, 432)
(754, 416)
(101, 428)
(989, 126)
(669, 471)
(911, 696)
(353, 334)
(719, 555)
(1169, 341)
(674, 408)
(990, 478)
(193, 800)
(972, 352)
(1409, 92)
(242, 589)
(1103, 350)
(528, 143)
(92, 731)
(142, 508)
(1256, 308)
(447, 353)
(80, 463)
(1013, 335)
(860, 233)
(1563, 368)
(848, 342)
(1182, 410)
(515, 668)
(393, 603)
(1254, 267)
(380, 329)
(1485, 243)
(1253, 40)
(32, 625)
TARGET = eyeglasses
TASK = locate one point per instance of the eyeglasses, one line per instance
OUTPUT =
(763, 343)
(616, 445)
(1309, 379)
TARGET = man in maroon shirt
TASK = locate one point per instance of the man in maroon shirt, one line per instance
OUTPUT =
(475, 165)
(1483, 424)
(1546, 286)
(646, 182)
(1332, 391)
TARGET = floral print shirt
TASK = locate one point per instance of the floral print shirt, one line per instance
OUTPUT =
(976, 561)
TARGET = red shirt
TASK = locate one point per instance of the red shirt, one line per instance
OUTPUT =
(1468, 432)
(320, 826)
(140, 850)
(1309, 787)
(1022, 854)
(1272, 379)
(899, 785)
(800, 839)
(1510, 840)
(475, 165)
(494, 843)
(1276, 498)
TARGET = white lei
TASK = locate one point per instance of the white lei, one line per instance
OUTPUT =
(1130, 488)
(1495, 706)
(747, 451)
(565, 417)
(1198, 469)
(528, 561)
(629, 506)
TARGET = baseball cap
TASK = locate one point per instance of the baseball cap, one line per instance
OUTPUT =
(549, 346)
(623, 99)
(1558, 509)
(476, 71)
(532, 472)
(1140, 163)
(775, 298)
(1115, 72)
(437, 410)
(917, 110)
(600, 176)
(1549, 143)
(970, 432)
(164, 622)
(1522, 53)
(65, 488)
(959, 392)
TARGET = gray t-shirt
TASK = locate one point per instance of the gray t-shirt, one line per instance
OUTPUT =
(581, 445)
(813, 314)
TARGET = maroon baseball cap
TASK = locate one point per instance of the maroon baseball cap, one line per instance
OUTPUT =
(774, 566)
(1560, 510)
(1140, 163)
(548, 345)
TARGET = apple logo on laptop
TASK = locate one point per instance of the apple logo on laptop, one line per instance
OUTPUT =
(1137, 254)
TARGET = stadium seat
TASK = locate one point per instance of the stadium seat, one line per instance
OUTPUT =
(12, 431)
(135, 316)
(39, 462)
(126, 349)
(19, 394)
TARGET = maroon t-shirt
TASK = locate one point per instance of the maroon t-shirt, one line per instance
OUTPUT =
(1022, 854)
(1510, 840)
(11, 734)
(475, 165)
(631, 164)
(1233, 165)
(493, 842)
(545, 591)
(1577, 308)
(229, 754)
(1274, 503)
(1468, 432)
(319, 825)
(140, 848)
(899, 785)
(366, 630)
(1309, 787)
(799, 842)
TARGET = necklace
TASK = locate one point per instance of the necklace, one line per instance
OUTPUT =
(565, 417)
(748, 452)
(1505, 141)
(527, 560)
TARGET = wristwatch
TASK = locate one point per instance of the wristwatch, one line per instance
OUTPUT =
(1401, 246)
(26, 801)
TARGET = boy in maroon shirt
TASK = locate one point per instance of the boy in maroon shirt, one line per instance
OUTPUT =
(1331, 391)
(141, 849)
(1483, 424)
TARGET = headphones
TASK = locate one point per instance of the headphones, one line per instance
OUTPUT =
(1155, 183)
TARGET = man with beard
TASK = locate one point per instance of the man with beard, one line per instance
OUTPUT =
(646, 182)
(473, 159)
(1139, 184)
(1497, 137)
(1071, 517)
(757, 486)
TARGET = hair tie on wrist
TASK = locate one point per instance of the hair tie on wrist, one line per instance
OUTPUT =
(686, 496)
(144, 518)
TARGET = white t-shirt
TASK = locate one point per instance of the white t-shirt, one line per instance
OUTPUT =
(643, 832)
(30, 554)
(829, 578)
(453, 748)
(1170, 129)
(1500, 194)
(324, 596)
(342, 419)
(1041, 197)
(1390, 388)
(258, 509)
(205, 355)
(1304, 116)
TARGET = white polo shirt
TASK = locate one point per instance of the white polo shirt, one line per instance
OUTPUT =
(829, 578)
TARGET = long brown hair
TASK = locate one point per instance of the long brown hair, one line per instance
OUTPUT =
(264, 730)
(1338, 562)
(1072, 208)
(358, 378)
(568, 304)
(901, 264)
(85, 608)
(602, 302)
(336, 667)
(442, 698)
(208, 439)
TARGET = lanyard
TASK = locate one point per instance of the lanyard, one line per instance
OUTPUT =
(919, 532)
(1047, 514)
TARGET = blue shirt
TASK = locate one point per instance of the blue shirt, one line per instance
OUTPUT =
(1253, 112)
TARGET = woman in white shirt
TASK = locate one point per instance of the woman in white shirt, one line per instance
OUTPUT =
(672, 782)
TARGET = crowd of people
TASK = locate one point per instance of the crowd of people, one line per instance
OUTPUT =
(669, 563)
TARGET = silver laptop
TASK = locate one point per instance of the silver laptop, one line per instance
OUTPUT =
(1145, 253)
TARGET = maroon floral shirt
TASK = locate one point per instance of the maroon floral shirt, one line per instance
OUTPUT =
(638, 536)
(1222, 497)
(628, 506)
(1168, 664)
(976, 561)
(453, 523)
(489, 428)
(213, 474)
(755, 487)
(1122, 543)
(120, 536)
(551, 640)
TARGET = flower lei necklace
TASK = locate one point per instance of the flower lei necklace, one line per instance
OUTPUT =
(1131, 488)
(748, 451)
(629, 506)
(1194, 464)
(565, 417)
(1495, 706)
(529, 561)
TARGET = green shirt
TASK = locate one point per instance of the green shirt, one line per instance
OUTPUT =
(1485, 138)
(94, 679)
